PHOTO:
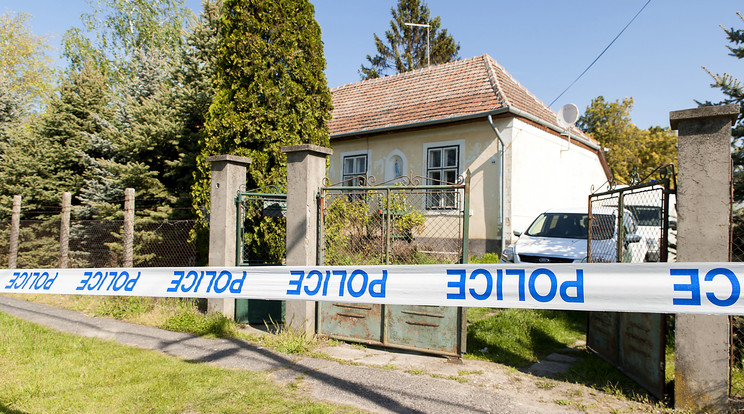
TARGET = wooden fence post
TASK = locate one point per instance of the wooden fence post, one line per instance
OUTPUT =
(64, 231)
(15, 224)
(128, 231)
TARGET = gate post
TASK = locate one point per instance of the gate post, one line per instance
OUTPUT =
(703, 210)
(306, 165)
(228, 174)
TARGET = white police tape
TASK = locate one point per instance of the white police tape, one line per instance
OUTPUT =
(707, 288)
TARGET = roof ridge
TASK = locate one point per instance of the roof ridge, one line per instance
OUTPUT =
(526, 91)
(409, 73)
(493, 79)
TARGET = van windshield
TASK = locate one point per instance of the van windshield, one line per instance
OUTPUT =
(572, 226)
(646, 215)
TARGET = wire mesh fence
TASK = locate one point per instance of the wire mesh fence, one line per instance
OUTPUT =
(643, 230)
(262, 227)
(392, 225)
(96, 243)
(736, 323)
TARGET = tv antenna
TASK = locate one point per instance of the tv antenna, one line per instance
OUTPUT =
(428, 27)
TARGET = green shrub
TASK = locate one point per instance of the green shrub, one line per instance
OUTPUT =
(210, 325)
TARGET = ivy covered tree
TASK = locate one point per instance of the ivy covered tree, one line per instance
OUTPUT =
(732, 88)
(632, 153)
(405, 47)
(271, 90)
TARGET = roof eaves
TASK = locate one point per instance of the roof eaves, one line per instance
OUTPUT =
(421, 124)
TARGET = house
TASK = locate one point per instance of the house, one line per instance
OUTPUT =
(444, 120)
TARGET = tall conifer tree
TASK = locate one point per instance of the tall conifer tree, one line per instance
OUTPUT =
(406, 45)
(271, 90)
(734, 92)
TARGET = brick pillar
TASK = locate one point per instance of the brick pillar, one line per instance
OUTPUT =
(703, 210)
(228, 175)
(306, 165)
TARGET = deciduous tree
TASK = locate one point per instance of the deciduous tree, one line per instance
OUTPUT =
(632, 153)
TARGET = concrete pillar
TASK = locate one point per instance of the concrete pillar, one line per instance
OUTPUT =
(15, 230)
(228, 175)
(128, 230)
(64, 231)
(703, 209)
(306, 165)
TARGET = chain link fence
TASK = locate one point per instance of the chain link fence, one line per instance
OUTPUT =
(644, 230)
(95, 243)
(736, 253)
(392, 225)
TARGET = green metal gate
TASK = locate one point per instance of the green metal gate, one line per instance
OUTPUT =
(394, 223)
(645, 229)
(261, 241)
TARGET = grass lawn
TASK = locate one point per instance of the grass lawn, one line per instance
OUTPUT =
(46, 371)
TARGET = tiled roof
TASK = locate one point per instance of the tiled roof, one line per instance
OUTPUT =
(452, 90)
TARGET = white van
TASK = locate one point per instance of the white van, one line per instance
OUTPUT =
(560, 236)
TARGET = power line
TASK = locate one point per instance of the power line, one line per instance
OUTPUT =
(600, 55)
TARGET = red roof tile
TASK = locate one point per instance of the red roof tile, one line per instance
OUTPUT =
(449, 91)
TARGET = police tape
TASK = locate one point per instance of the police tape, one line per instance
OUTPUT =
(704, 288)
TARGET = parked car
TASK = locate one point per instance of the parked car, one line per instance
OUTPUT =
(650, 227)
(560, 236)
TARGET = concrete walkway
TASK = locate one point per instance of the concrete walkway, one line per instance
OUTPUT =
(370, 379)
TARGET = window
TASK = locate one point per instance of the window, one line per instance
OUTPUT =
(442, 168)
(354, 167)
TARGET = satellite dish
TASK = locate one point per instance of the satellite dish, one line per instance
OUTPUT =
(568, 115)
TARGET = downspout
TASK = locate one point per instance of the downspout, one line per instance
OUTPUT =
(501, 181)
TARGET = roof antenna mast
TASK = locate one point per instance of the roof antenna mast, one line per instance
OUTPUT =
(428, 27)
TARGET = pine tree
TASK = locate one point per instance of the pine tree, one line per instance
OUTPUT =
(406, 47)
(46, 159)
(193, 91)
(734, 92)
(271, 90)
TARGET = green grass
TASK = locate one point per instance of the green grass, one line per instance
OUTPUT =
(519, 337)
(47, 371)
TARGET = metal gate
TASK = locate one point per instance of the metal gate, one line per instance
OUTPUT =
(261, 241)
(394, 223)
(633, 224)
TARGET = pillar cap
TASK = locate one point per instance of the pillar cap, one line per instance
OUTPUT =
(713, 111)
(308, 148)
(234, 159)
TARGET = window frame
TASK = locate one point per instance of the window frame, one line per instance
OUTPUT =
(441, 201)
(353, 179)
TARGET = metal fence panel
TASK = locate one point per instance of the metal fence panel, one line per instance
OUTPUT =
(396, 224)
(632, 224)
(261, 240)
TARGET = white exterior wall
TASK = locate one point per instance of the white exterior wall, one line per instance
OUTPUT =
(538, 175)
(546, 172)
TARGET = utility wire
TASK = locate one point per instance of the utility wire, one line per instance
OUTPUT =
(600, 55)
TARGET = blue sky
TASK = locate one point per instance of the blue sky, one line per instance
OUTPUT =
(543, 44)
